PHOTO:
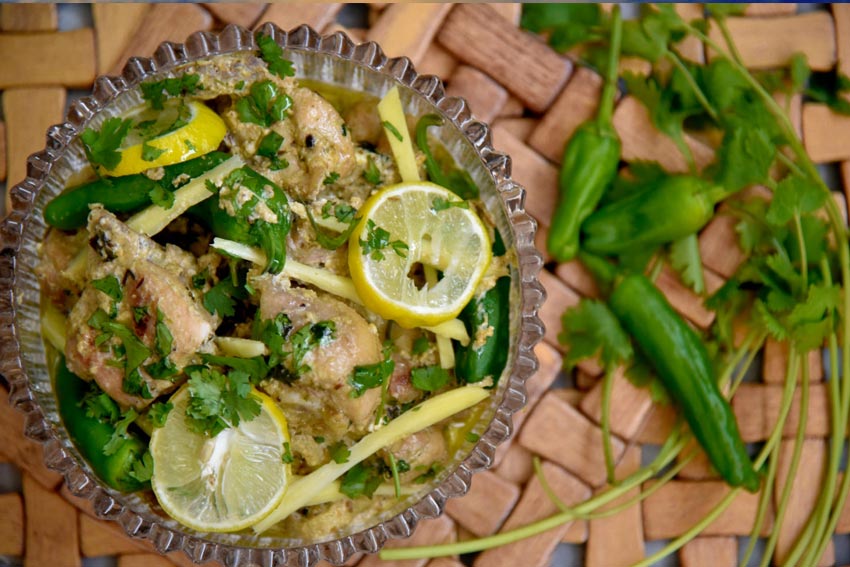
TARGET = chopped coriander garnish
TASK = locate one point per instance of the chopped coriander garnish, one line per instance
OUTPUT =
(372, 174)
(429, 378)
(319, 439)
(286, 457)
(189, 145)
(332, 178)
(142, 468)
(472, 437)
(339, 452)
(272, 54)
(369, 376)
(110, 286)
(120, 434)
(361, 480)
(150, 153)
(161, 196)
(220, 299)
(211, 187)
(392, 130)
(269, 145)
(158, 413)
(264, 105)
(377, 239)
(421, 345)
(175, 86)
(200, 280)
(99, 405)
(239, 86)
(164, 338)
(218, 401)
(102, 147)
(440, 204)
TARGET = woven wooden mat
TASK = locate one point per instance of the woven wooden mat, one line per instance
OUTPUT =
(534, 98)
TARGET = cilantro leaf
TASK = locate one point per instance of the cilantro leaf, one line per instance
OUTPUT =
(339, 452)
(377, 239)
(360, 480)
(370, 376)
(218, 401)
(158, 413)
(99, 405)
(685, 259)
(831, 89)
(120, 434)
(102, 147)
(110, 286)
(270, 145)
(220, 298)
(440, 204)
(392, 130)
(794, 195)
(142, 468)
(726, 9)
(372, 174)
(332, 178)
(264, 105)
(429, 378)
(272, 54)
(164, 338)
(421, 345)
(161, 196)
(590, 328)
(744, 158)
(287, 457)
(567, 24)
(155, 92)
(150, 153)
(330, 242)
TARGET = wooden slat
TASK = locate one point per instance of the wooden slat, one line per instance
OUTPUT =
(487, 504)
(826, 134)
(407, 29)
(642, 141)
(575, 275)
(511, 11)
(710, 552)
(26, 454)
(771, 42)
(535, 505)
(665, 516)
(841, 14)
(576, 104)
(163, 22)
(100, 537)
(719, 245)
(115, 25)
(11, 524)
(805, 490)
(240, 13)
(658, 425)
(513, 108)
(691, 47)
(756, 408)
(699, 467)
(49, 58)
(771, 9)
(519, 127)
(288, 15)
(428, 532)
(445, 562)
(776, 359)
(51, 530)
(2, 151)
(626, 527)
(629, 405)
(357, 35)
(516, 465)
(28, 17)
(28, 112)
(532, 171)
(555, 425)
(144, 560)
(485, 96)
(527, 67)
(684, 299)
(437, 61)
(577, 532)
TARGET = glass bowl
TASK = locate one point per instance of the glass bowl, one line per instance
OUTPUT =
(333, 59)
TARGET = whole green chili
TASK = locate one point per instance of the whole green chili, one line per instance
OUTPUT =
(91, 435)
(682, 363)
(675, 207)
(128, 194)
(589, 165)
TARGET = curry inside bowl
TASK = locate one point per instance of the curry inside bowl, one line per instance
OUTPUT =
(336, 68)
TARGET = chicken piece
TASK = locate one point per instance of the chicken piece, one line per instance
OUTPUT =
(364, 123)
(155, 287)
(301, 245)
(55, 254)
(325, 385)
(420, 451)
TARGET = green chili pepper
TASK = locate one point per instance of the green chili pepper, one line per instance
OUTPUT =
(70, 210)
(489, 310)
(676, 207)
(682, 363)
(91, 435)
(260, 218)
(589, 165)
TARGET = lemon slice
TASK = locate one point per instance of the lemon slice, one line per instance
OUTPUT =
(426, 226)
(225, 483)
(191, 130)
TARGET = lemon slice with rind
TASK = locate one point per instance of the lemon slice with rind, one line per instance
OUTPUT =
(186, 131)
(417, 223)
(225, 483)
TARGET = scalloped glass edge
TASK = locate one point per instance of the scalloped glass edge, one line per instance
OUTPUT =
(113, 506)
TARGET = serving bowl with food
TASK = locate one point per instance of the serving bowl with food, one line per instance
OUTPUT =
(271, 298)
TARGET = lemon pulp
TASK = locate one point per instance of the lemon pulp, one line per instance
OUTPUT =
(438, 231)
(194, 131)
(225, 483)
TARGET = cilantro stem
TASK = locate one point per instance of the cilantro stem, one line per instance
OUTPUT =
(547, 488)
(607, 387)
(701, 98)
(606, 102)
(790, 164)
(801, 242)
(764, 501)
(727, 37)
(795, 461)
(396, 479)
